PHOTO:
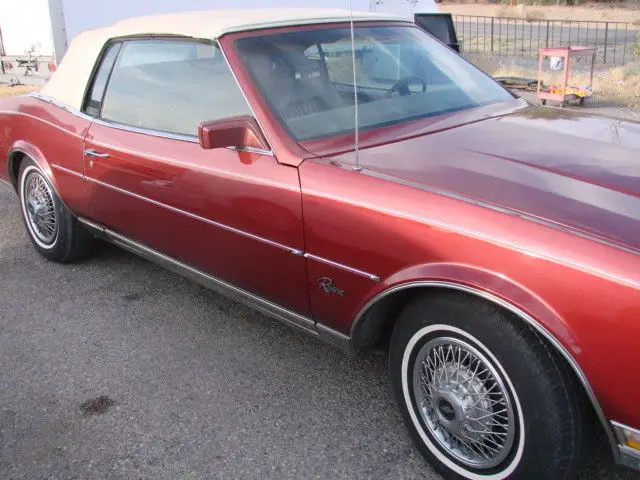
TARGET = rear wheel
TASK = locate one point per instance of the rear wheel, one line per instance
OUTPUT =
(483, 395)
(52, 228)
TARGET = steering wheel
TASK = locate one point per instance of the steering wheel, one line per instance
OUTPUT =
(402, 86)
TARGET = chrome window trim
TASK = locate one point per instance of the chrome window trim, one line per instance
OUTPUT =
(141, 130)
(273, 310)
(522, 316)
(146, 131)
(61, 105)
(259, 151)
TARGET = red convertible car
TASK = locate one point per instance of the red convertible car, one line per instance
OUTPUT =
(492, 247)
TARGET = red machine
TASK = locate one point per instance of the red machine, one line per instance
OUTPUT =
(564, 89)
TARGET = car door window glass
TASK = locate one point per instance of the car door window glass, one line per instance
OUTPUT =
(171, 86)
(96, 93)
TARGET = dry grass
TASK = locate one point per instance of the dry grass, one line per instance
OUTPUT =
(7, 91)
(595, 12)
(620, 85)
(505, 12)
(530, 14)
(533, 14)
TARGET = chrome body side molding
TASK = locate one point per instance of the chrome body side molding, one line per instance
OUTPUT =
(522, 316)
(341, 266)
(256, 302)
(335, 338)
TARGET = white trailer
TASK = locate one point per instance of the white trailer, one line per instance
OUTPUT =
(25, 25)
(45, 27)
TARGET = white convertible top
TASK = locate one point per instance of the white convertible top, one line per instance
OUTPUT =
(68, 84)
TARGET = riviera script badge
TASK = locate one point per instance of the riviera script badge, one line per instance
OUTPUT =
(327, 285)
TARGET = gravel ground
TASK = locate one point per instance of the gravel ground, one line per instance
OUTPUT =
(593, 106)
(114, 368)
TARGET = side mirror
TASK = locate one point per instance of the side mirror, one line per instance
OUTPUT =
(239, 132)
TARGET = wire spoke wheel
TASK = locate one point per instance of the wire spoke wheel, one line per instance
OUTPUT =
(463, 402)
(40, 208)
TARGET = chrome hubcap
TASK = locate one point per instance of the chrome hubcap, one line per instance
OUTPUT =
(463, 402)
(40, 208)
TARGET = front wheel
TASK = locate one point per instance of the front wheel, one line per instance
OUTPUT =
(483, 395)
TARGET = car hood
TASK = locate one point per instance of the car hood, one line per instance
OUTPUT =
(573, 170)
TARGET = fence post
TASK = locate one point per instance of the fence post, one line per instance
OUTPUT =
(547, 41)
(606, 40)
(492, 18)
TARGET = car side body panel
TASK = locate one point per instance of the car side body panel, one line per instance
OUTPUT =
(52, 137)
(233, 214)
(585, 293)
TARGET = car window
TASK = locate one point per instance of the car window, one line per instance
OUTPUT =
(171, 86)
(402, 74)
(96, 92)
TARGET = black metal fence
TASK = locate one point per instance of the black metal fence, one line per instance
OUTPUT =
(616, 42)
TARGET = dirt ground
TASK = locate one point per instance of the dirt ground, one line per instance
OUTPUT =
(7, 91)
(550, 12)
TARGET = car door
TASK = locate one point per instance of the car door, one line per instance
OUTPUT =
(233, 214)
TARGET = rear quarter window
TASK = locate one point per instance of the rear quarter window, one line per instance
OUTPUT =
(93, 102)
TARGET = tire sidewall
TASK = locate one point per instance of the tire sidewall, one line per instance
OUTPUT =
(54, 249)
(407, 365)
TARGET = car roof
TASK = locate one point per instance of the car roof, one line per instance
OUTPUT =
(212, 24)
(68, 84)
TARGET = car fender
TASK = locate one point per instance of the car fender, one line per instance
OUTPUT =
(499, 290)
(35, 154)
(491, 284)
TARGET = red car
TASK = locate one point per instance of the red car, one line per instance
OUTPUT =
(493, 248)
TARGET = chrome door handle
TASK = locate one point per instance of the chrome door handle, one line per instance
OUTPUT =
(92, 153)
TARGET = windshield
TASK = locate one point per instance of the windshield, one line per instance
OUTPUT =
(402, 74)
